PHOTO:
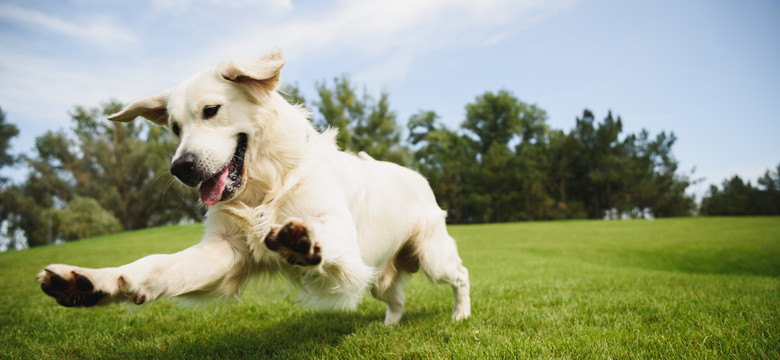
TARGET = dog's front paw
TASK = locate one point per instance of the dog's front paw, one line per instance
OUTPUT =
(69, 287)
(293, 243)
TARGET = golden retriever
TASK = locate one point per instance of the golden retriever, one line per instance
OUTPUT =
(281, 198)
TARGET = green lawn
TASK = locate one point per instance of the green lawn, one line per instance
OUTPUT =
(676, 288)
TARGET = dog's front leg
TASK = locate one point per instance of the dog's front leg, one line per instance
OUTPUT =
(293, 243)
(324, 253)
(211, 266)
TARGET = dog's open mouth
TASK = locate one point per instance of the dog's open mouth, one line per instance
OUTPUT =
(223, 184)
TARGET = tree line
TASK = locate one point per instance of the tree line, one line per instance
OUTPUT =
(503, 163)
(737, 198)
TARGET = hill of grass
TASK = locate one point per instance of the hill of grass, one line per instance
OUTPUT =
(672, 288)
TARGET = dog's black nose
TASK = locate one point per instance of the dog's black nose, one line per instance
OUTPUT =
(185, 169)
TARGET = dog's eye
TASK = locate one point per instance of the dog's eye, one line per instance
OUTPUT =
(176, 130)
(210, 111)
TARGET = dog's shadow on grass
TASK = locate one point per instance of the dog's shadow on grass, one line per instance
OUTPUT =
(313, 335)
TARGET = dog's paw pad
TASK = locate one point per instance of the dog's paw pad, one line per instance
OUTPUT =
(293, 243)
(70, 289)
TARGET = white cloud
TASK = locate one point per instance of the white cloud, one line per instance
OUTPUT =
(179, 7)
(376, 41)
(392, 33)
(94, 29)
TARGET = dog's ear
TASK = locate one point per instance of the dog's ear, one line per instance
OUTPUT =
(261, 73)
(153, 108)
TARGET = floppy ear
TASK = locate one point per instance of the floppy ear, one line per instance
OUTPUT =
(261, 73)
(153, 108)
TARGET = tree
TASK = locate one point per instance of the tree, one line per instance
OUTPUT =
(10, 197)
(23, 215)
(363, 124)
(737, 198)
(339, 108)
(123, 167)
(669, 198)
(562, 151)
(7, 132)
(500, 117)
(769, 203)
(533, 166)
(628, 175)
(447, 160)
(507, 165)
(609, 161)
(597, 164)
(733, 199)
(500, 184)
(509, 185)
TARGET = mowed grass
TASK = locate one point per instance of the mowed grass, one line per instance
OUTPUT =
(676, 288)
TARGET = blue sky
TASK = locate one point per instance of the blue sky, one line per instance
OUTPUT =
(709, 71)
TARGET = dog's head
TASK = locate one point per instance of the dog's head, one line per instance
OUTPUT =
(215, 116)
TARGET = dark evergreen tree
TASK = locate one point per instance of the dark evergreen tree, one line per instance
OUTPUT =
(738, 198)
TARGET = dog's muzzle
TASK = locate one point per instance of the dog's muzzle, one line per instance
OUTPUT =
(185, 168)
(217, 186)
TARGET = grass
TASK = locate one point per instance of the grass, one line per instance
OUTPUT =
(674, 288)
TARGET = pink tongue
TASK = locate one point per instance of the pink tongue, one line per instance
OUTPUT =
(211, 189)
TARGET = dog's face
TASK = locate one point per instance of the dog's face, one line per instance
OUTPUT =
(208, 116)
(214, 116)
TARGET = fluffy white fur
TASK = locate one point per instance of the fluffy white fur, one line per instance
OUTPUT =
(373, 221)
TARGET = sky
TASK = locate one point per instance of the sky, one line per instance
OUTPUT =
(708, 71)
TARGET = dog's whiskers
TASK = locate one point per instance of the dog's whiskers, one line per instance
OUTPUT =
(168, 185)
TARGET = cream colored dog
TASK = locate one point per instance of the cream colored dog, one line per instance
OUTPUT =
(281, 198)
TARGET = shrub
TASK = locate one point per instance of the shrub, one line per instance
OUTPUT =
(84, 217)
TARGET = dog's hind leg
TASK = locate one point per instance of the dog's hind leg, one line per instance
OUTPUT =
(439, 260)
(390, 289)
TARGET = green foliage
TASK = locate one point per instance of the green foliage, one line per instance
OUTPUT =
(738, 198)
(7, 132)
(634, 172)
(506, 164)
(446, 159)
(22, 214)
(700, 288)
(83, 218)
(501, 117)
(363, 123)
(123, 167)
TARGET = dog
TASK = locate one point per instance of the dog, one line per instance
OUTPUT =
(282, 199)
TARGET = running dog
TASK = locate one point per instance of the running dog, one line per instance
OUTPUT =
(281, 198)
